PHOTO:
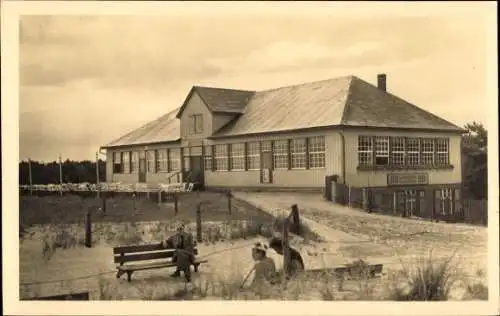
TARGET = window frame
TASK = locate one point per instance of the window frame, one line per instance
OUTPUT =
(298, 153)
(221, 154)
(240, 157)
(411, 153)
(174, 159)
(125, 161)
(399, 152)
(134, 162)
(117, 162)
(207, 158)
(253, 155)
(316, 149)
(426, 153)
(281, 150)
(368, 150)
(161, 161)
(445, 152)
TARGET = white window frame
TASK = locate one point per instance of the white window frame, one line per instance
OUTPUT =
(150, 161)
(442, 149)
(253, 156)
(366, 149)
(298, 153)
(117, 161)
(221, 155)
(174, 159)
(398, 149)
(161, 160)
(411, 151)
(382, 144)
(280, 155)
(126, 161)
(134, 162)
(426, 151)
(237, 154)
(317, 152)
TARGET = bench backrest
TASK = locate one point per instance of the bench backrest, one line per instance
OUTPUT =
(126, 254)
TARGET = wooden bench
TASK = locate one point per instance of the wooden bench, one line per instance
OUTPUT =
(159, 257)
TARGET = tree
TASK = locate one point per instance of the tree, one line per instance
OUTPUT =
(474, 161)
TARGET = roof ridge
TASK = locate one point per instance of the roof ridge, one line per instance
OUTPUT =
(217, 88)
(308, 83)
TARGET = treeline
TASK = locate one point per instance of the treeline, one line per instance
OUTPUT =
(475, 161)
(72, 172)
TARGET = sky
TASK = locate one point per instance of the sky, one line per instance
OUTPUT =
(87, 80)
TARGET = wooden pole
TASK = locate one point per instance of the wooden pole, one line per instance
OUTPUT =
(97, 174)
(198, 223)
(229, 208)
(88, 230)
(159, 196)
(31, 177)
(296, 219)
(60, 176)
(286, 250)
(133, 201)
(103, 201)
(176, 203)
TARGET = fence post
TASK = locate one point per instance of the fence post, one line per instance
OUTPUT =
(286, 251)
(229, 195)
(133, 201)
(365, 199)
(349, 196)
(103, 202)
(176, 203)
(159, 196)
(88, 230)
(296, 219)
(198, 223)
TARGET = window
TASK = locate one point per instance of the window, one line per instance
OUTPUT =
(208, 158)
(427, 151)
(174, 159)
(196, 124)
(126, 161)
(444, 201)
(365, 150)
(442, 153)
(253, 156)
(413, 151)
(162, 160)
(150, 158)
(381, 150)
(298, 153)
(117, 162)
(317, 152)
(237, 156)
(281, 154)
(265, 146)
(221, 158)
(398, 151)
(134, 166)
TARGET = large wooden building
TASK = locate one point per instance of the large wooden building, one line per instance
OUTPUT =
(292, 138)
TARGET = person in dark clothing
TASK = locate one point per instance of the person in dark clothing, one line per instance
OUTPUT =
(296, 263)
(183, 257)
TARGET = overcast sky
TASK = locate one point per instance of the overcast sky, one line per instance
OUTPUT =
(86, 80)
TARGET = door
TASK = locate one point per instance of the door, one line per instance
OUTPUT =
(197, 174)
(142, 166)
(266, 167)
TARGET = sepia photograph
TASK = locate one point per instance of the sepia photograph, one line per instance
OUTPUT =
(253, 152)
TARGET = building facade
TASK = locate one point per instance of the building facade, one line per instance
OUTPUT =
(292, 138)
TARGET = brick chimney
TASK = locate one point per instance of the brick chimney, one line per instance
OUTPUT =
(381, 82)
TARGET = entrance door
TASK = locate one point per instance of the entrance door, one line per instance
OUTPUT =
(197, 174)
(266, 167)
(142, 166)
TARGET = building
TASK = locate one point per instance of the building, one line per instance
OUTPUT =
(292, 138)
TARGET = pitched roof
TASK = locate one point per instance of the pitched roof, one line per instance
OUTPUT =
(220, 100)
(166, 128)
(347, 101)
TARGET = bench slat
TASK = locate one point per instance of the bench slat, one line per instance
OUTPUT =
(137, 248)
(168, 253)
(157, 265)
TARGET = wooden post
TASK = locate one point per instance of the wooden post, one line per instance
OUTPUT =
(286, 250)
(159, 196)
(103, 202)
(296, 219)
(349, 196)
(198, 223)
(88, 230)
(60, 176)
(229, 195)
(176, 203)
(31, 177)
(133, 201)
(97, 175)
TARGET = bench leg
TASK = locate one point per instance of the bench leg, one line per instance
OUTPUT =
(119, 274)
(129, 276)
(196, 267)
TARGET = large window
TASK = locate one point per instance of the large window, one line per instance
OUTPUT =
(365, 150)
(398, 151)
(316, 152)
(427, 151)
(150, 158)
(238, 156)
(298, 152)
(281, 154)
(126, 161)
(196, 124)
(221, 158)
(174, 159)
(117, 162)
(442, 153)
(413, 153)
(134, 165)
(162, 160)
(382, 150)
(253, 156)
(208, 158)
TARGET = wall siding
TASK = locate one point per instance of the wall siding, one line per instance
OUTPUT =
(379, 178)
(312, 178)
(195, 105)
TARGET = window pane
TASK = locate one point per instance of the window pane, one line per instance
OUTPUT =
(126, 162)
(427, 151)
(135, 162)
(221, 158)
(150, 156)
(365, 150)
(174, 159)
(253, 156)
(281, 154)
(237, 156)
